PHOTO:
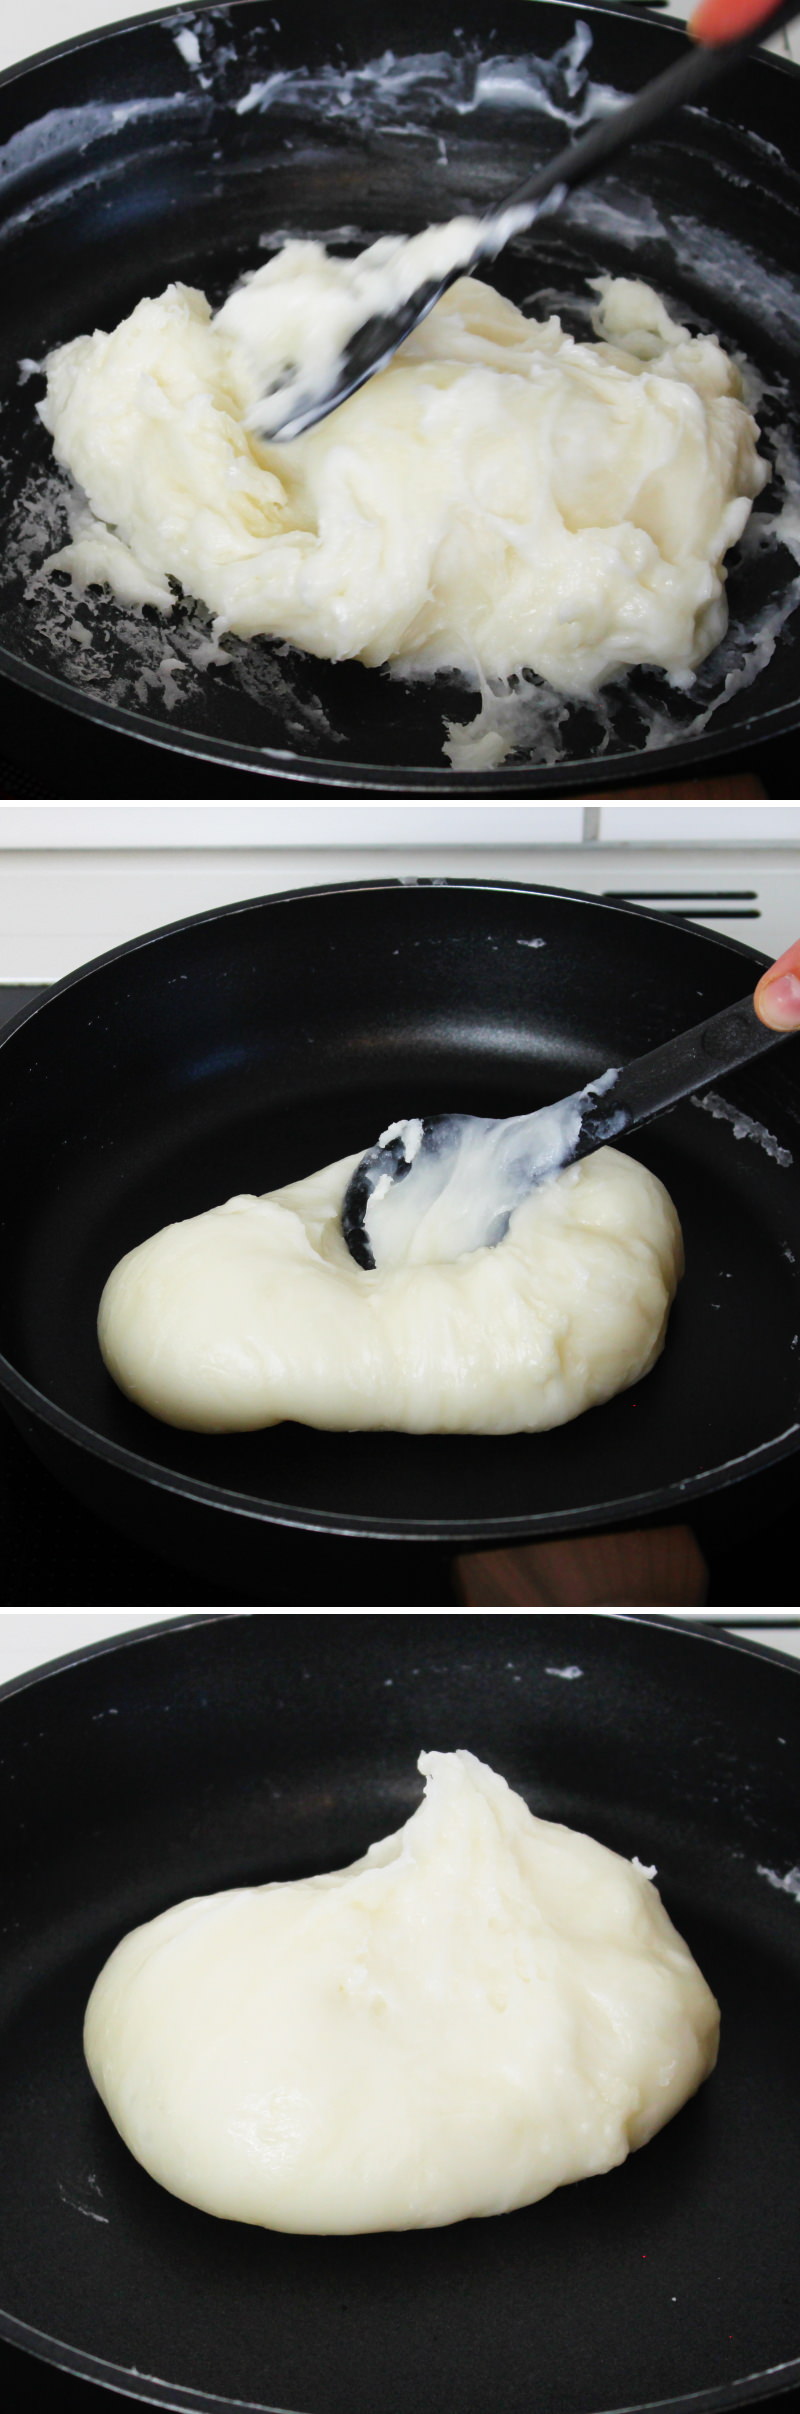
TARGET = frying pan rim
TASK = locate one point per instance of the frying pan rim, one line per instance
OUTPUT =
(521, 778)
(189, 10)
(754, 2388)
(119, 720)
(698, 1631)
(341, 888)
(776, 2380)
(630, 1508)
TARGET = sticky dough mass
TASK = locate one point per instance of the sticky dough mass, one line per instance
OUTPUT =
(485, 2007)
(500, 497)
(255, 1311)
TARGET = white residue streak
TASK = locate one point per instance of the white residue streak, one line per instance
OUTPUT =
(187, 41)
(410, 1132)
(76, 2205)
(465, 1185)
(790, 1884)
(604, 1081)
(169, 664)
(743, 1126)
(569, 1673)
(188, 44)
(385, 89)
(64, 130)
(135, 676)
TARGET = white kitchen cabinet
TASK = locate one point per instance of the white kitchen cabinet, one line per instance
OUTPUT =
(693, 825)
(292, 826)
(76, 881)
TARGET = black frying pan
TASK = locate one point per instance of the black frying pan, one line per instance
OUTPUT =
(240, 1749)
(149, 170)
(243, 1048)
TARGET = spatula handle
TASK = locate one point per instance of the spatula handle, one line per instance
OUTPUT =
(700, 66)
(651, 1083)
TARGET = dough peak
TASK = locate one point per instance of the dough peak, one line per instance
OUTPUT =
(482, 2008)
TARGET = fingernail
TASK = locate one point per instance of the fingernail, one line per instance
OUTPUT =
(782, 1001)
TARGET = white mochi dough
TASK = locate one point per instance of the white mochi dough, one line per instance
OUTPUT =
(483, 2008)
(255, 1311)
(500, 497)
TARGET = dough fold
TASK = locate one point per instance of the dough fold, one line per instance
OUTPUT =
(484, 2007)
(255, 1311)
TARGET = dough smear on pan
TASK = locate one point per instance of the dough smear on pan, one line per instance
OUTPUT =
(501, 497)
(485, 2007)
(255, 1311)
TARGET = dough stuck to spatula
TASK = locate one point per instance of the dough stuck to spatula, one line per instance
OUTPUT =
(484, 2007)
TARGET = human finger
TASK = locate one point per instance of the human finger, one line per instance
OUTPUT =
(777, 995)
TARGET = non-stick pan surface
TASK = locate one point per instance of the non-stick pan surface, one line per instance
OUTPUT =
(242, 1749)
(181, 146)
(244, 1048)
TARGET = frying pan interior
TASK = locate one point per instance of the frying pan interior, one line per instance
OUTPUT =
(242, 1749)
(187, 146)
(242, 1049)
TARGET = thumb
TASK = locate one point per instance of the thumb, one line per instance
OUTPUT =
(777, 996)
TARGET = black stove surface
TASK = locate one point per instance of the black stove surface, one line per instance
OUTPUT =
(60, 2393)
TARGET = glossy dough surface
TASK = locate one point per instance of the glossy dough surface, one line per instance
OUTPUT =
(486, 2006)
(501, 496)
(255, 1311)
